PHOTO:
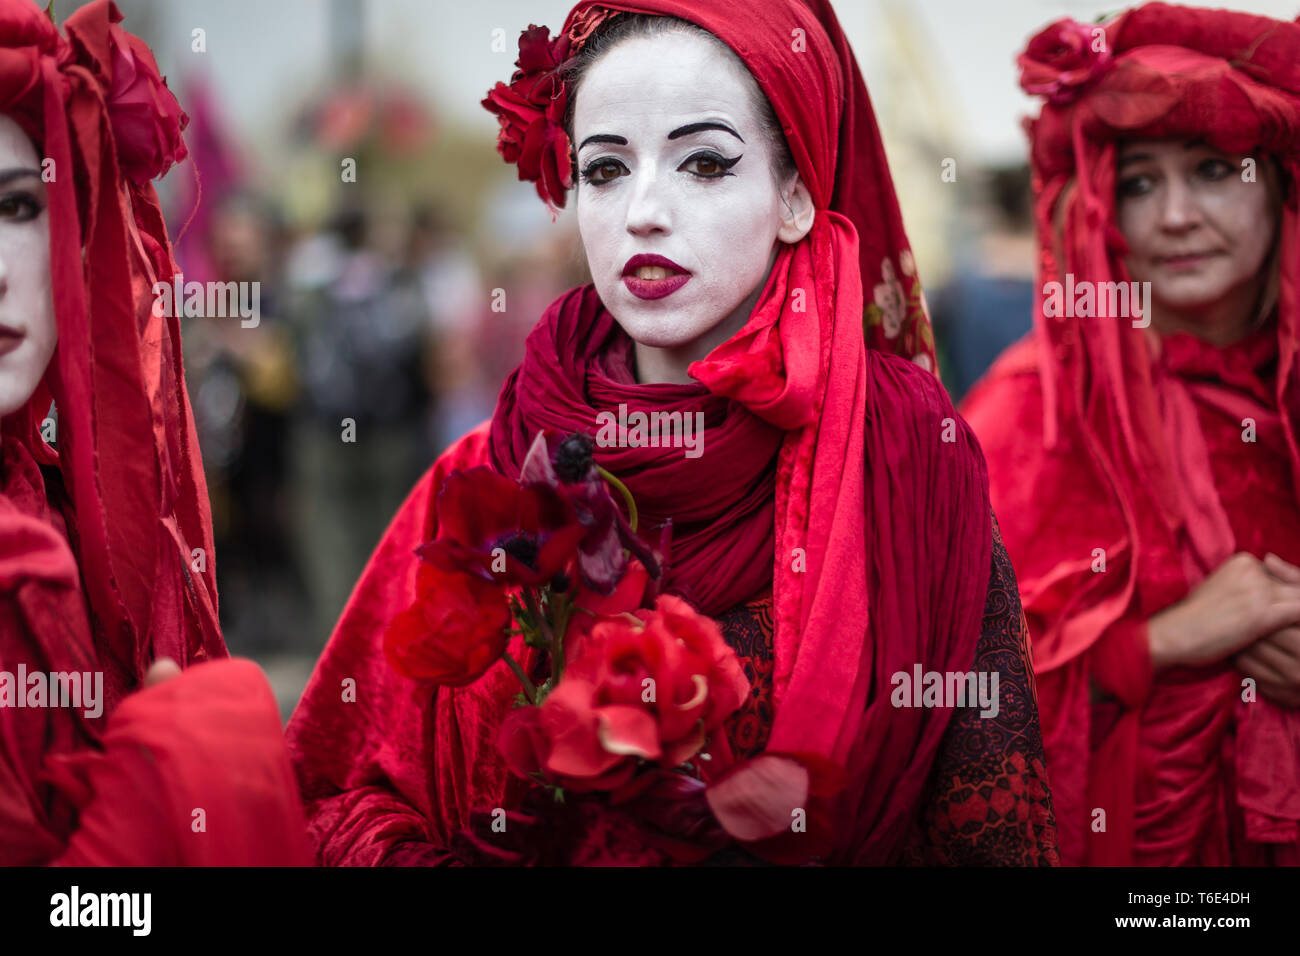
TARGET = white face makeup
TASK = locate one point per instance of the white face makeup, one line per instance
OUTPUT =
(1197, 232)
(673, 162)
(27, 329)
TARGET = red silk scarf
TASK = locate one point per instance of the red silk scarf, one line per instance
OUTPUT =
(891, 520)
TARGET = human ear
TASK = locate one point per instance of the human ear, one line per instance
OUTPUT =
(799, 212)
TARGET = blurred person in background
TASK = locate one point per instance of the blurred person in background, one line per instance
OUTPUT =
(244, 386)
(1145, 459)
(361, 333)
(988, 302)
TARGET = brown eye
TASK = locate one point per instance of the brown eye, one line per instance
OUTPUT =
(706, 165)
(709, 165)
(593, 173)
(19, 207)
(1133, 186)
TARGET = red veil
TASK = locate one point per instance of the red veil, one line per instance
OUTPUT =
(1097, 444)
(120, 508)
(821, 441)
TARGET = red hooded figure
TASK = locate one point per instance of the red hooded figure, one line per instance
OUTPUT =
(840, 535)
(1130, 468)
(106, 560)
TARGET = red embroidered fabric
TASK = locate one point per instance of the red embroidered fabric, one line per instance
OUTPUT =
(988, 802)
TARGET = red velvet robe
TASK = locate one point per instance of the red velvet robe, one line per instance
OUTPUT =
(398, 772)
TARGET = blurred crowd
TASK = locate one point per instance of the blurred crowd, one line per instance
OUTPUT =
(376, 346)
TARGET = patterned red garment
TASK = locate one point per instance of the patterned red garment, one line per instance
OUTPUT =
(1163, 748)
(988, 802)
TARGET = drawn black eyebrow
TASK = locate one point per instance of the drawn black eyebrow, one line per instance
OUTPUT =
(9, 175)
(603, 138)
(681, 131)
(690, 128)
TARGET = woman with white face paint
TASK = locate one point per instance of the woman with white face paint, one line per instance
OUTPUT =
(828, 508)
(1146, 460)
(107, 748)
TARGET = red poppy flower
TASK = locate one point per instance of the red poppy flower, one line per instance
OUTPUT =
(567, 464)
(457, 629)
(490, 526)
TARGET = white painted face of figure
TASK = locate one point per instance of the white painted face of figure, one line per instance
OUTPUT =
(27, 329)
(1198, 231)
(673, 163)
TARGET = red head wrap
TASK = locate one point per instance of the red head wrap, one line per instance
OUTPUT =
(827, 477)
(93, 102)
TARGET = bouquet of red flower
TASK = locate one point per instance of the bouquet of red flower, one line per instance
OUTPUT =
(638, 681)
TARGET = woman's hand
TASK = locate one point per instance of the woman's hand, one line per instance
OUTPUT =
(1244, 600)
(1273, 661)
(164, 668)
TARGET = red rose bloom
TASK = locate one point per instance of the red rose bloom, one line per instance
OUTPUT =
(147, 120)
(531, 114)
(647, 686)
(1061, 61)
(457, 629)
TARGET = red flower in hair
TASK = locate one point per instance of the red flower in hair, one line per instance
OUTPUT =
(1062, 60)
(147, 120)
(530, 110)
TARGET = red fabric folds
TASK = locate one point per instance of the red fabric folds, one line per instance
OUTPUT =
(1102, 446)
(127, 447)
(106, 556)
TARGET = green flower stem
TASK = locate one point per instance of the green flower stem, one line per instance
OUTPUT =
(622, 490)
(529, 689)
(561, 608)
(535, 612)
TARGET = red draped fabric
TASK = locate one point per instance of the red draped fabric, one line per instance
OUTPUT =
(1100, 445)
(106, 556)
(819, 443)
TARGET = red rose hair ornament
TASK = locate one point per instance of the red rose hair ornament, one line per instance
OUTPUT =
(531, 107)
